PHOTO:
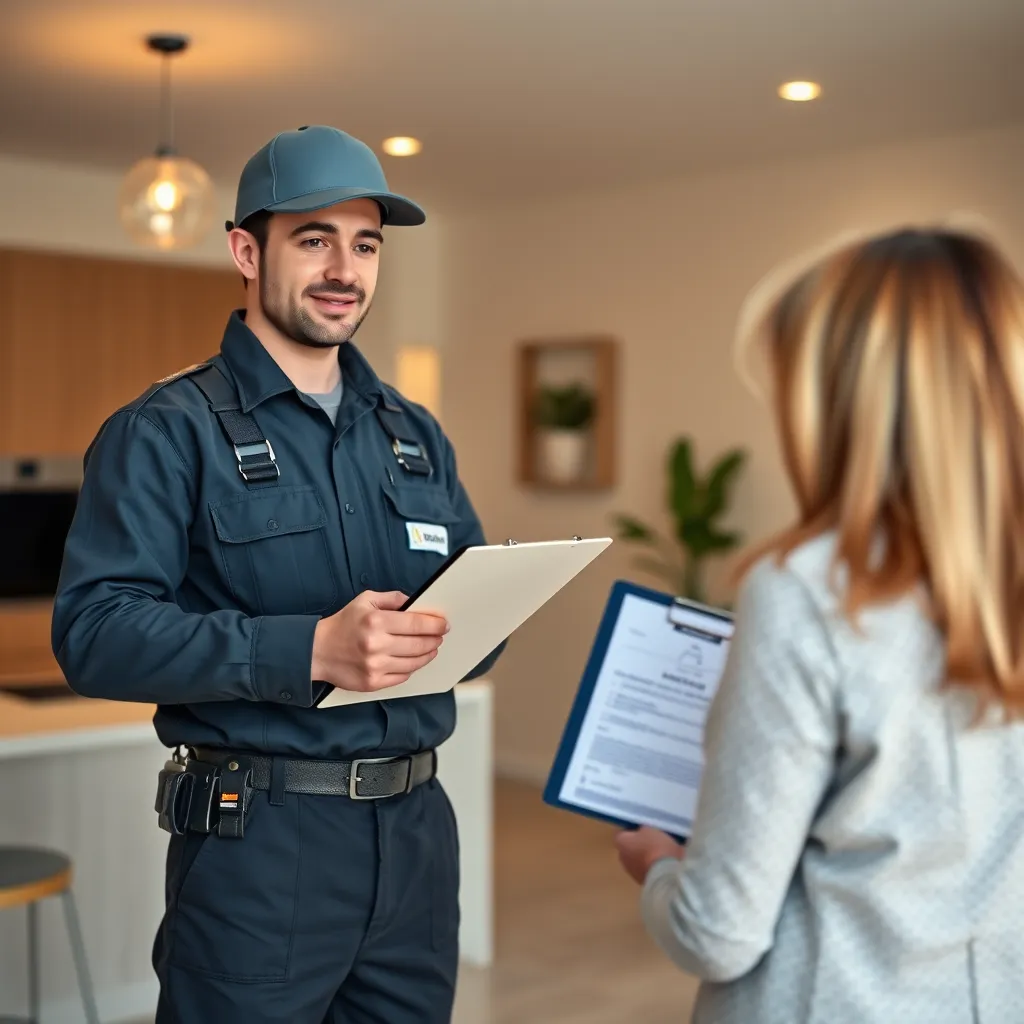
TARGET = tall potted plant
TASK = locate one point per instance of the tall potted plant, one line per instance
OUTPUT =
(562, 415)
(696, 504)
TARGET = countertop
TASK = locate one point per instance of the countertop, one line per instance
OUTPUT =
(29, 727)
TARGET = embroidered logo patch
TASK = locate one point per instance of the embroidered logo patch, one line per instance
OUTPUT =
(427, 537)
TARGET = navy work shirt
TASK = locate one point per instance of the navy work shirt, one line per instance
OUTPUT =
(185, 587)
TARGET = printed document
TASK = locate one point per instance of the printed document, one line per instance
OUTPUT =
(639, 753)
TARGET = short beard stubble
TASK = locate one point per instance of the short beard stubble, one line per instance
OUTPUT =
(294, 322)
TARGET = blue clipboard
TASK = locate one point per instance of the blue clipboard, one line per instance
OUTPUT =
(595, 662)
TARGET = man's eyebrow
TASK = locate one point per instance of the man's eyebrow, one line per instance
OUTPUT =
(314, 225)
(326, 228)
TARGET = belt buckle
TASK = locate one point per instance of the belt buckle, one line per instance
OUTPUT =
(354, 780)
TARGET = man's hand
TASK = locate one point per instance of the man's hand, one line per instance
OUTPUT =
(639, 849)
(369, 645)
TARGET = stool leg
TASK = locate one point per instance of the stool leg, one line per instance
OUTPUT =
(33, 963)
(78, 951)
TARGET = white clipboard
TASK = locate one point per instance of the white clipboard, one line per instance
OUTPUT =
(486, 592)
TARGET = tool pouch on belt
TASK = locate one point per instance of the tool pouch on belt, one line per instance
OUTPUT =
(236, 791)
(173, 797)
(204, 789)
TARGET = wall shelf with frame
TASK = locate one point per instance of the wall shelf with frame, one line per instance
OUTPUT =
(567, 413)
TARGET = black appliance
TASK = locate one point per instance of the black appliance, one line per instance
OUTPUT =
(38, 496)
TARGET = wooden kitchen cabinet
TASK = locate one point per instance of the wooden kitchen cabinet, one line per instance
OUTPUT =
(82, 335)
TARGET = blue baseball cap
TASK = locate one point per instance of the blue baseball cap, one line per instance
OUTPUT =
(313, 167)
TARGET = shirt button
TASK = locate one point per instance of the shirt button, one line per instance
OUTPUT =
(272, 524)
(364, 579)
(285, 695)
(349, 507)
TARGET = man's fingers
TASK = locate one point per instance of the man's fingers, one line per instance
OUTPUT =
(389, 601)
(420, 624)
(410, 665)
(409, 646)
(380, 667)
(398, 670)
(412, 624)
(393, 679)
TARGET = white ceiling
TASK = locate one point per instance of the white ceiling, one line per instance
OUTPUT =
(511, 97)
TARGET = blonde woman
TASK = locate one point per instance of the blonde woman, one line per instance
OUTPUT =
(858, 853)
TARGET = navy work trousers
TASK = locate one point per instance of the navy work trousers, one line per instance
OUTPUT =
(327, 911)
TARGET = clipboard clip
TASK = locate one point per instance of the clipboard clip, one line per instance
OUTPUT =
(680, 617)
(681, 610)
(510, 543)
(674, 612)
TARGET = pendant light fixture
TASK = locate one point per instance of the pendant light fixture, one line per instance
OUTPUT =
(166, 201)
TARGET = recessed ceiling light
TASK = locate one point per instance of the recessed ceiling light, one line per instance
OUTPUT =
(402, 145)
(799, 92)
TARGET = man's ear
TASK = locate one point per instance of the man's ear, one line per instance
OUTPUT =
(245, 252)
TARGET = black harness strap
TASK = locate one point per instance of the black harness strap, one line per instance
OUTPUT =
(253, 451)
(255, 455)
(411, 455)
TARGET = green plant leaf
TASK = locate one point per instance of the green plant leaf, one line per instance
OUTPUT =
(721, 476)
(719, 541)
(702, 539)
(682, 482)
(693, 580)
(694, 534)
(632, 529)
(569, 408)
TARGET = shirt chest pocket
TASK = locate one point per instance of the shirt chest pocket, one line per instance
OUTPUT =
(421, 523)
(275, 553)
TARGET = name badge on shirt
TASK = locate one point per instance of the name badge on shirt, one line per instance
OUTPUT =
(427, 537)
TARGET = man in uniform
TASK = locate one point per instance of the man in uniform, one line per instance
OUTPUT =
(246, 533)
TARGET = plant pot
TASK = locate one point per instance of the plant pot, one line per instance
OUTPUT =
(562, 455)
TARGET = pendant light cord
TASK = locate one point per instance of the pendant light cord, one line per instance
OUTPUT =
(166, 147)
(167, 46)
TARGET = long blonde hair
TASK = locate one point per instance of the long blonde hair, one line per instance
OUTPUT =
(897, 372)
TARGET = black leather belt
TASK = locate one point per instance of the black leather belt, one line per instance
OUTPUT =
(366, 778)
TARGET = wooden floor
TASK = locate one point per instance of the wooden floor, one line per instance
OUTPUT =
(570, 948)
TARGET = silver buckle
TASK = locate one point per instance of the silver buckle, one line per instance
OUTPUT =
(354, 778)
(400, 447)
(405, 450)
(259, 448)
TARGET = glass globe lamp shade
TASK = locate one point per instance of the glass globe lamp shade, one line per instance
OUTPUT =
(166, 202)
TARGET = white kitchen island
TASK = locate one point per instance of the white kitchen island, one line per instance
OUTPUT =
(79, 776)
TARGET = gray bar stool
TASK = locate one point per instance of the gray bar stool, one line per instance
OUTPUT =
(28, 875)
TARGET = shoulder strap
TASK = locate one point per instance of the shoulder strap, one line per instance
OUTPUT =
(256, 461)
(169, 379)
(411, 455)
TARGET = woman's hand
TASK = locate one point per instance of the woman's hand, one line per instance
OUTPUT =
(640, 848)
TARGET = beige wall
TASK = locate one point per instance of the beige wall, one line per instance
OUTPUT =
(61, 207)
(665, 269)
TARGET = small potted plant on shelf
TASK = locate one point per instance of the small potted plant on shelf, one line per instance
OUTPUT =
(562, 416)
